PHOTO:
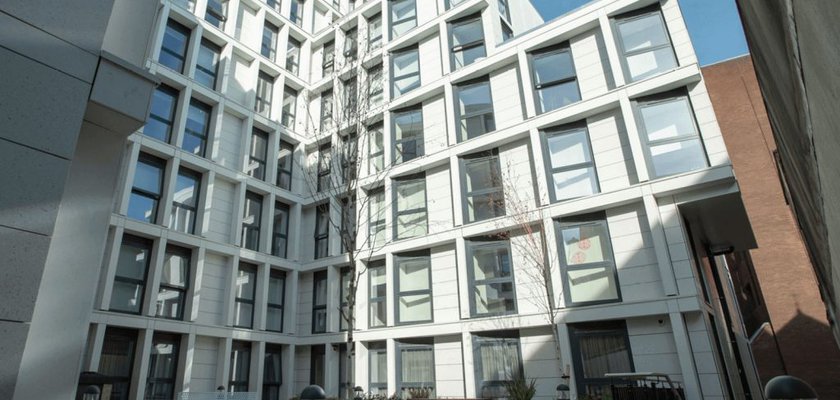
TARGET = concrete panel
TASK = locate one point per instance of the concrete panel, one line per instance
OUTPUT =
(12, 341)
(23, 259)
(80, 22)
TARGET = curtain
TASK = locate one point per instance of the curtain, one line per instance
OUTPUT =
(417, 365)
(602, 354)
(500, 359)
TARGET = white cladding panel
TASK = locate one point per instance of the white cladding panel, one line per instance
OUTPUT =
(221, 214)
(205, 364)
(214, 279)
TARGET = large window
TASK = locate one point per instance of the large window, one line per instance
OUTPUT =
(289, 107)
(467, 38)
(346, 279)
(670, 134)
(240, 366)
(571, 168)
(162, 113)
(317, 365)
(408, 134)
(285, 160)
(324, 167)
(555, 79)
(319, 302)
(376, 217)
(293, 55)
(599, 348)
(197, 128)
(272, 372)
(376, 151)
(173, 50)
(258, 154)
(499, 361)
(351, 47)
(348, 224)
(405, 67)
(491, 277)
(378, 312)
(216, 13)
(378, 368)
(350, 157)
(376, 92)
(644, 43)
(280, 234)
(174, 281)
(587, 259)
(375, 32)
(403, 16)
(416, 366)
(276, 300)
(414, 287)
(245, 291)
(207, 64)
(322, 231)
(251, 221)
(130, 278)
(163, 367)
(411, 214)
(483, 186)
(117, 360)
(147, 189)
(185, 201)
(265, 91)
(268, 47)
(328, 64)
(327, 105)
(296, 13)
(351, 101)
(475, 109)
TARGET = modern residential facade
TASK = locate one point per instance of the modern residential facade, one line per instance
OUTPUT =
(484, 130)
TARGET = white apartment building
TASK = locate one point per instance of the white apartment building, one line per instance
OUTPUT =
(223, 268)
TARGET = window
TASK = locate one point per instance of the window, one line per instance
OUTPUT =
(414, 287)
(411, 214)
(491, 275)
(416, 365)
(285, 159)
(276, 300)
(348, 224)
(351, 101)
(274, 4)
(670, 134)
(272, 372)
(265, 89)
(406, 70)
(280, 236)
(599, 348)
(246, 286)
(571, 169)
(324, 167)
(378, 368)
(644, 42)
(499, 361)
(467, 38)
(317, 365)
(482, 177)
(475, 109)
(258, 154)
(326, 110)
(403, 16)
(587, 260)
(554, 77)
(351, 47)
(375, 86)
(117, 360)
(130, 277)
(376, 217)
(378, 297)
(328, 65)
(343, 362)
(376, 155)
(349, 157)
(207, 64)
(504, 10)
(375, 32)
(453, 3)
(268, 47)
(289, 107)
(322, 231)
(346, 277)
(296, 13)
(240, 366)
(162, 113)
(147, 188)
(293, 54)
(174, 281)
(185, 201)
(507, 31)
(408, 134)
(251, 221)
(163, 367)
(319, 302)
(173, 50)
(197, 128)
(216, 11)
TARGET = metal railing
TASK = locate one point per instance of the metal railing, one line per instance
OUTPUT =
(217, 396)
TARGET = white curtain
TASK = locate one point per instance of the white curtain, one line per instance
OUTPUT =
(417, 365)
(604, 354)
(500, 359)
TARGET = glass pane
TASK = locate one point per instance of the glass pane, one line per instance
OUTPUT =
(475, 99)
(275, 290)
(406, 63)
(466, 33)
(126, 297)
(650, 63)
(193, 143)
(557, 96)
(245, 284)
(321, 291)
(240, 362)
(117, 353)
(415, 308)
(141, 208)
(378, 366)
(411, 195)
(319, 320)
(414, 274)
(679, 157)
(159, 124)
(500, 359)
(175, 270)
(602, 354)
(169, 303)
(378, 314)
(468, 56)
(274, 319)
(408, 125)
(378, 284)
(174, 47)
(585, 244)
(164, 359)
(253, 211)
(243, 314)
(206, 66)
(185, 193)
(575, 183)
(148, 177)
(592, 284)
(485, 206)
(417, 365)
(643, 32)
(482, 174)
(569, 149)
(490, 263)
(668, 119)
(272, 370)
(132, 262)
(411, 225)
(553, 66)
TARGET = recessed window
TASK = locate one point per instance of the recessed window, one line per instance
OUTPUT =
(207, 64)
(403, 16)
(351, 101)
(378, 313)
(163, 366)
(327, 109)
(375, 32)
(257, 154)
(251, 221)
(185, 201)
(245, 290)
(274, 4)
(280, 234)
(272, 372)
(317, 365)
(376, 92)
(293, 55)
(376, 217)
(130, 278)
(410, 207)
(504, 10)
(174, 281)
(296, 13)
(146, 189)
(408, 134)
(507, 31)
(265, 92)
(322, 231)
(416, 366)
(467, 37)
(499, 362)
(346, 278)
(376, 156)
(216, 13)
(324, 167)
(670, 134)
(343, 363)
(276, 300)
(378, 368)
(348, 224)
(289, 107)
(644, 43)
(599, 348)
(328, 65)
(285, 160)
(571, 169)
(117, 360)
(555, 80)
(197, 128)
(351, 47)
(483, 187)
(240, 366)
(405, 65)
(491, 277)
(268, 47)
(587, 260)
(475, 109)
(173, 50)
(414, 287)
(319, 302)
(162, 114)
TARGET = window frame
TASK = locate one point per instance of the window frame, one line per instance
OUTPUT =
(328, 58)
(216, 10)
(550, 132)
(491, 155)
(296, 12)
(489, 243)
(327, 118)
(494, 339)
(160, 164)
(151, 379)
(373, 156)
(141, 244)
(415, 344)
(252, 269)
(128, 337)
(324, 167)
(324, 237)
(270, 385)
(348, 216)
(318, 308)
(235, 385)
(375, 349)
(257, 163)
(624, 54)
(351, 44)
(592, 219)
(545, 52)
(279, 209)
(378, 265)
(374, 42)
(289, 114)
(268, 43)
(397, 213)
(277, 274)
(264, 94)
(399, 258)
(395, 22)
(454, 50)
(293, 57)
(202, 136)
(181, 59)
(594, 329)
(394, 78)
(281, 171)
(174, 95)
(212, 74)
(463, 136)
(186, 254)
(419, 141)
(256, 226)
(375, 226)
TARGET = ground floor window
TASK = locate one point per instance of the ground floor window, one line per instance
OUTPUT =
(599, 348)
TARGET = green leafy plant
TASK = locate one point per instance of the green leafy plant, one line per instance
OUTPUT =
(420, 393)
(520, 389)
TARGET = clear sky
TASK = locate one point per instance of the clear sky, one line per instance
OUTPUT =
(713, 25)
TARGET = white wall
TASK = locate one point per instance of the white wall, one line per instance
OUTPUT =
(226, 146)
(438, 199)
(304, 310)
(212, 292)
(591, 64)
(430, 62)
(249, 27)
(204, 366)
(508, 107)
(653, 347)
(611, 151)
(221, 211)
(434, 125)
(449, 369)
(635, 258)
(539, 357)
(445, 287)
(240, 83)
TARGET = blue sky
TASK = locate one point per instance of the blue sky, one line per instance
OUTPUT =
(713, 25)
